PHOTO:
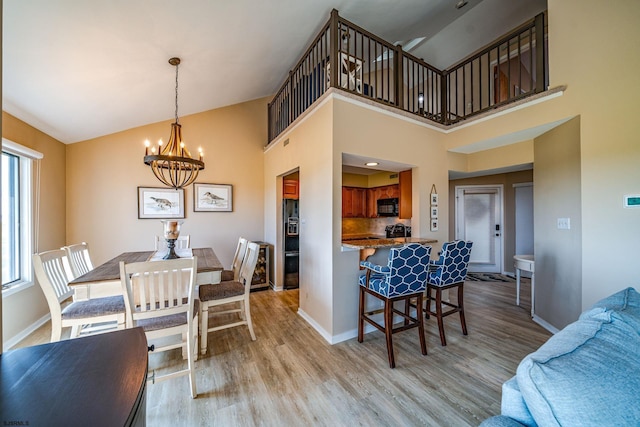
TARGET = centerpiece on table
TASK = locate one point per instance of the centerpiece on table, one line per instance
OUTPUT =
(171, 233)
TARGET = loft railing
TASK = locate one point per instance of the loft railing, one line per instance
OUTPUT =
(368, 66)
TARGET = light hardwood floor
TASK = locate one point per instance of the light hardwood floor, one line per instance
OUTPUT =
(290, 376)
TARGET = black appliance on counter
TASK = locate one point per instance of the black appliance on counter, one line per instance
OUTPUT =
(397, 230)
(291, 223)
(387, 207)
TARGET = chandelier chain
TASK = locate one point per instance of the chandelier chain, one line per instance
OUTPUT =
(177, 65)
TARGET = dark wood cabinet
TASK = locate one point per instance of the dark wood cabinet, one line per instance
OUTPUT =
(382, 192)
(290, 189)
(354, 202)
(98, 380)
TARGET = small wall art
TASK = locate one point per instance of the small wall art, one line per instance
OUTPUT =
(212, 197)
(160, 203)
(434, 212)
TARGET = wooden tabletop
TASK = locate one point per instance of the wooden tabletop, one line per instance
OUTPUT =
(110, 270)
(98, 380)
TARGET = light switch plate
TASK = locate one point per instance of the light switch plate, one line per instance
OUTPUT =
(564, 223)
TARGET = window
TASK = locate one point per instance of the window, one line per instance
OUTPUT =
(17, 215)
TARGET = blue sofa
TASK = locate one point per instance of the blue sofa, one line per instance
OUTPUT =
(587, 374)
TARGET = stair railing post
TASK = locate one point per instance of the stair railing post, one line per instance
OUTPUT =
(333, 54)
(541, 77)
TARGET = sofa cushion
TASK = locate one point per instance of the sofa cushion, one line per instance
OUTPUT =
(513, 405)
(587, 374)
(624, 305)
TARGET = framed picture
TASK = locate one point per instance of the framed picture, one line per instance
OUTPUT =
(434, 212)
(434, 199)
(212, 197)
(160, 203)
(434, 225)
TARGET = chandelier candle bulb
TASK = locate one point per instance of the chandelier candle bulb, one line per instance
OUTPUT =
(146, 147)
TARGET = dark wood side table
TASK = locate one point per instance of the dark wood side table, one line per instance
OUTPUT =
(98, 380)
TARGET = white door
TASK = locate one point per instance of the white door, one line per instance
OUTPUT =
(479, 220)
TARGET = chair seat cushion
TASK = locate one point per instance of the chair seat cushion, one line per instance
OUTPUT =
(162, 322)
(94, 307)
(226, 275)
(220, 290)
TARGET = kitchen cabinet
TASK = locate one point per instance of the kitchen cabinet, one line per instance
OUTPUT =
(405, 206)
(384, 192)
(290, 189)
(354, 202)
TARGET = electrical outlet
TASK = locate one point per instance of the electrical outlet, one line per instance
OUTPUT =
(564, 223)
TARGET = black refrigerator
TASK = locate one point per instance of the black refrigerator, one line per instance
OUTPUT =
(291, 227)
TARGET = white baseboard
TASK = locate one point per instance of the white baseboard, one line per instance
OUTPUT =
(344, 336)
(8, 344)
(545, 324)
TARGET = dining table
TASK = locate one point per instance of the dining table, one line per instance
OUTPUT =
(104, 280)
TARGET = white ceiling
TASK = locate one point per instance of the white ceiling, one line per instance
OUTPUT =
(81, 69)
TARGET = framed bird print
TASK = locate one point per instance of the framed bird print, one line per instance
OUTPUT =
(160, 203)
(212, 197)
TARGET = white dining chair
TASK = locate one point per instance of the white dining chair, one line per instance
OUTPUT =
(159, 297)
(182, 242)
(53, 272)
(229, 292)
(79, 258)
(234, 272)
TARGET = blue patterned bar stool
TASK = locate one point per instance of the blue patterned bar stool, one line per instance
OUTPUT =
(403, 278)
(449, 271)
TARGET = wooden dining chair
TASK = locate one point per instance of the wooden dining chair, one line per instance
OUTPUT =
(79, 258)
(233, 291)
(234, 273)
(53, 272)
(159, 297)
(182, 242)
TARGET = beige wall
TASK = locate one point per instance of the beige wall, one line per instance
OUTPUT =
(603, 88)
(507, 180)
(308, 150)
(103, 175)
(557, 252)
(25, 308)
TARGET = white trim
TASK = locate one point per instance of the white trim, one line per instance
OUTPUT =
(20, 150)
(17, 287)
(523, 184)
(8, 344)
(545, 324)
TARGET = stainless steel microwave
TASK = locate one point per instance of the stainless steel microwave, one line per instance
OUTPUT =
(387, 207)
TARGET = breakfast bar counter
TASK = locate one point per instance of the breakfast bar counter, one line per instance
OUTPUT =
(375, 243)
(369, 245)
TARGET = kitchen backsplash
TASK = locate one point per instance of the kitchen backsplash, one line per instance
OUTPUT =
(374, 226)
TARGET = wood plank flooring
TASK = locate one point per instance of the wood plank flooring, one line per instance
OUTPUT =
(291, 377)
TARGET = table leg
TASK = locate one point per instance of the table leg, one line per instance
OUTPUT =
(517, 286)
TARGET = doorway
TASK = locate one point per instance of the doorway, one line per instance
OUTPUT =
(479, 218)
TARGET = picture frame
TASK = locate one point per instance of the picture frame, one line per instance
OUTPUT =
(434, 212)
(434, 225)
(434, 199)
(160, 203)
(212, 197)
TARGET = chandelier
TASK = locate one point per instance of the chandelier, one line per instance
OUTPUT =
(173, 165)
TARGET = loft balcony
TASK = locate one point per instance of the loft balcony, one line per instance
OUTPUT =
(508, 70)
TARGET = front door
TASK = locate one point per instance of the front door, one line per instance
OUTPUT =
(479, 219)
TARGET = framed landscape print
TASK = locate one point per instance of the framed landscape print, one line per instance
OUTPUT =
(160, 203)
(212, 197)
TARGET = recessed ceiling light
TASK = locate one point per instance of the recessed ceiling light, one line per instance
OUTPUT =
(371, 164)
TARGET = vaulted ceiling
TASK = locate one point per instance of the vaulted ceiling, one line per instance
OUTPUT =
(81, 69)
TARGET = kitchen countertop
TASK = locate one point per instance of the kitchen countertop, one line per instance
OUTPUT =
(375, 243)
